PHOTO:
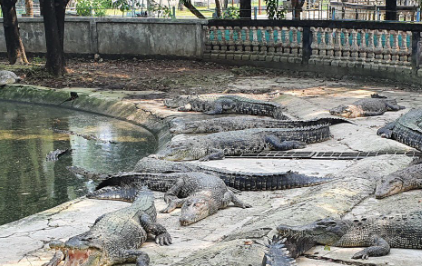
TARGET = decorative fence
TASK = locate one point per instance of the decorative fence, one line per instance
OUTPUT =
(376, 46)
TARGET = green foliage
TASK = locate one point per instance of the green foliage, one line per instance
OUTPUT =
(166, 11)
(97, 8)
(123, 5)
(273, 11)
(231, 13)
(327, 247)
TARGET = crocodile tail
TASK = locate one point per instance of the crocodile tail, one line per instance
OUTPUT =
(267, 181)
(156, 182)
(408, 136)
(114, 193)
(277, 254)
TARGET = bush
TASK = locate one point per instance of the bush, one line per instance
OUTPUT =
(97, 8)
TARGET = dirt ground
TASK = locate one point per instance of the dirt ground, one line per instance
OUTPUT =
(175, 77)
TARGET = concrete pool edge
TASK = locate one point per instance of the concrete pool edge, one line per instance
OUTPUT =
(108, 103)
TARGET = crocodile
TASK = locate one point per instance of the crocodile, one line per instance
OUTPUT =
(244, 181)
(407, 129)
(366, 107)
(400, 181)
(219, 104)
(54, 155)
(115, 237)
(180, 126)
(8, 77)
(377, 233)
(216, 145)
(277, 254)
(198, 194)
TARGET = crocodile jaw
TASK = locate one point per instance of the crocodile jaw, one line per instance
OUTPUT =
(388, 186)
(326, 231)
(85, 257)
(194, 209)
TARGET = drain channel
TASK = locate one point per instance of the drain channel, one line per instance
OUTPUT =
(325, 155)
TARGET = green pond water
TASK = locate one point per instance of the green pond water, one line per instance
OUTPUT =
(30, 184)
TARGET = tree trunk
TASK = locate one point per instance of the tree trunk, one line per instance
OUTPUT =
(218, 8)
(53, 13)
(391, 10)
(192, 9)
(226, 4)
(180, 5)
(297, 5)
(29, 8)
(15, 49)
(245, 9)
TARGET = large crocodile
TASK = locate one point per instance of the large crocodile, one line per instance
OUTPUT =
(115, 237)
(378, 233)
(219, 104)
(216, 145)
(222, 124)
(198, 194)
(245, 181)
(366, 107)
(400, 181)
(407, 129)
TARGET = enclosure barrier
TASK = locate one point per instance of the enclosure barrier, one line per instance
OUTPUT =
(362, 46)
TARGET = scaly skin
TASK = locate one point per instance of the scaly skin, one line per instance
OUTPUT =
(244, 181)
(219, 104)
(198, 194)
(277, 254)
(222, 124)
(378, 234)
(366, 107)
(215, 146)
(407, 129)
(400, 181)
(115, 237)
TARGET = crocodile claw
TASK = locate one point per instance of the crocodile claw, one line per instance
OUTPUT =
(361, 255)
(163, 239)
(246, 205)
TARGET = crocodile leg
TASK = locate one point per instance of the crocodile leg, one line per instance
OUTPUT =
(56, 259)
(230, 197)
(162, 237)
(127, 256)
(387, 130)
(216, 155)
(394, 107)
(170, 197)
(284, 145)
(379, 248)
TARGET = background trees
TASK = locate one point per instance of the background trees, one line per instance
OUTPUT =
(15, 49)
(53, 12)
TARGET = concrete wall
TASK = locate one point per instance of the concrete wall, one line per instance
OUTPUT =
(118, 36)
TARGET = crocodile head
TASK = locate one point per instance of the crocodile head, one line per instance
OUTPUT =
(180, 153)
(79, 252)
(388, 186)
(182, 127)
(347, 111)
(326, 231)
(195, 209)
